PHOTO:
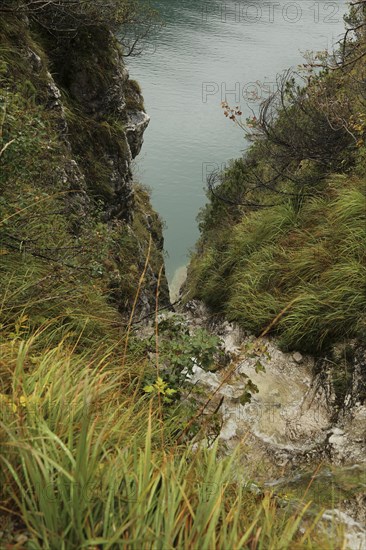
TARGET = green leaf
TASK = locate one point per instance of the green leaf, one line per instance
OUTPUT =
(259, 367)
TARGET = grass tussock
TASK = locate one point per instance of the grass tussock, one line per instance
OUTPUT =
(87, 463)
(313, 258)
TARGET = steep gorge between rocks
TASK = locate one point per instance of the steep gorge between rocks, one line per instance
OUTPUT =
(297, 430)
(296, 419)
(206, 54)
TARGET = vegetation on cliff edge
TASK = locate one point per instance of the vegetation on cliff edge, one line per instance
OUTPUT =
(283, 236)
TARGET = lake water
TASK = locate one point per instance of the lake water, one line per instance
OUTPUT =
(208, 52)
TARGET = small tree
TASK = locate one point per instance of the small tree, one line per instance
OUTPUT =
(132, 21)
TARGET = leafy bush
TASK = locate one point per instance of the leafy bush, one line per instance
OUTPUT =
(180, 349)
(133, 20)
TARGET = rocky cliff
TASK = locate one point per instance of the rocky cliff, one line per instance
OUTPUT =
(73, 122)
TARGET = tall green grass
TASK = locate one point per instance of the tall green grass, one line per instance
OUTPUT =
(83, 465)
(314, 258)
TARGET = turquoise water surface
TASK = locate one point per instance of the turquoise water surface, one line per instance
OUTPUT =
(208, 52)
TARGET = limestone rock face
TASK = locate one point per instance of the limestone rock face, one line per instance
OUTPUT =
(302, 412)
(138, 121)
(107, 132)
(99, 116)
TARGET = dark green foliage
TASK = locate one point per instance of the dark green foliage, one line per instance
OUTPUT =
(183, 349)
(180, 349)
(64, 19)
